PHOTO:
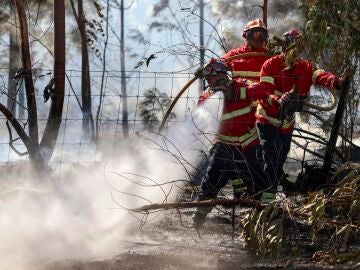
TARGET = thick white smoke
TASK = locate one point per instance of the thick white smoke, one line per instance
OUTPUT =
(78, 213)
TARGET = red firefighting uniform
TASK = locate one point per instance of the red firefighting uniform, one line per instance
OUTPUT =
(275, 134)
(275, 80)
(233, 156)
(237, 125)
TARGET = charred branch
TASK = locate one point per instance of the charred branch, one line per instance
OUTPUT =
(17, 126)
(296, 213)
(11, 141)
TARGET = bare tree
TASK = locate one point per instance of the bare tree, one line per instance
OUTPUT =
(201, 43)
(14, 63)
(31, 140)
(34, 149)
(88, 121)
(103, 71)
(123, 76)
(56, 108)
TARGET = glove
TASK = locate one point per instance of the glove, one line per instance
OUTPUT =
(219, 83)
(199, 73)
(283, 99)
(290, 103)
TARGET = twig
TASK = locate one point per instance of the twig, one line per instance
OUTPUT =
(14, 140)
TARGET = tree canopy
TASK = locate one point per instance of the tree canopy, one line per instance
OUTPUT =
(332, 31)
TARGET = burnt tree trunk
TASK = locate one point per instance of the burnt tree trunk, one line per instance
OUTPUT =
(57, 100)
(33, 149)
(125, 122)
(330, 150)
(98, 120)
(88, 122)
(14, 65)
(201, 45)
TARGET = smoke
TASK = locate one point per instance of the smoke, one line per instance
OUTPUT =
(80, 212)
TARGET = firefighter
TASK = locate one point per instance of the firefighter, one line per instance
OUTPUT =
(286, 79)
(233, 156)
(256, 35)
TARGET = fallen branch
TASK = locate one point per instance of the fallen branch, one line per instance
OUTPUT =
(228, 202)
(179, 205)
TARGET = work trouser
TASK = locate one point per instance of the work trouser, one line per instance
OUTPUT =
(228, 162)
(273, 150)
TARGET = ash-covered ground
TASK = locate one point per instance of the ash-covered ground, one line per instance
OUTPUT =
(167, 243)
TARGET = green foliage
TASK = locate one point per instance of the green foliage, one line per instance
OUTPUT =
(153, 107)
(332, 32)
(330, 220)
(264, 231)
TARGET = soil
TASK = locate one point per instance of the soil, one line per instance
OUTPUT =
(168, 244)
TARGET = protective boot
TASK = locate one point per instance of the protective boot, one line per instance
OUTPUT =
(288, 187)
(240, 189)
(198, 218)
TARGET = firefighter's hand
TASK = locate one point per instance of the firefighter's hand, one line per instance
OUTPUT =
(283, 99)
(342, 82)
(199, 73)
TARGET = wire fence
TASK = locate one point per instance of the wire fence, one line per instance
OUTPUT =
(73, 146)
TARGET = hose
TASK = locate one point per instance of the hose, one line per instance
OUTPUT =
(324, 109)
(168, 111)
(240, 56)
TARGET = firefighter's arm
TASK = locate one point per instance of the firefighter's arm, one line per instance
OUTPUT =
(263, 90)
(322, 78)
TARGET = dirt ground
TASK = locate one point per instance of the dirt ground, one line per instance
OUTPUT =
(167, 244)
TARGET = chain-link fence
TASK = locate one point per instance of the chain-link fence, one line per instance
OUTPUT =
(148, 96)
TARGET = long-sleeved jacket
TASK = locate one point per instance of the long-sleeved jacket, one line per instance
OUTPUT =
(237, 125)
(276, 79)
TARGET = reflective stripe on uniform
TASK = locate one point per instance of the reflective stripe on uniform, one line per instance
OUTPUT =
(275, 121)
(242, 93)
(237, 182)
(278, 93)
(251, 81)
(270, 98)
(316, 74)
(267, 197)
(250, 140)
(239, 140)
(267, 79)
(242, 111)
(245, 74)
